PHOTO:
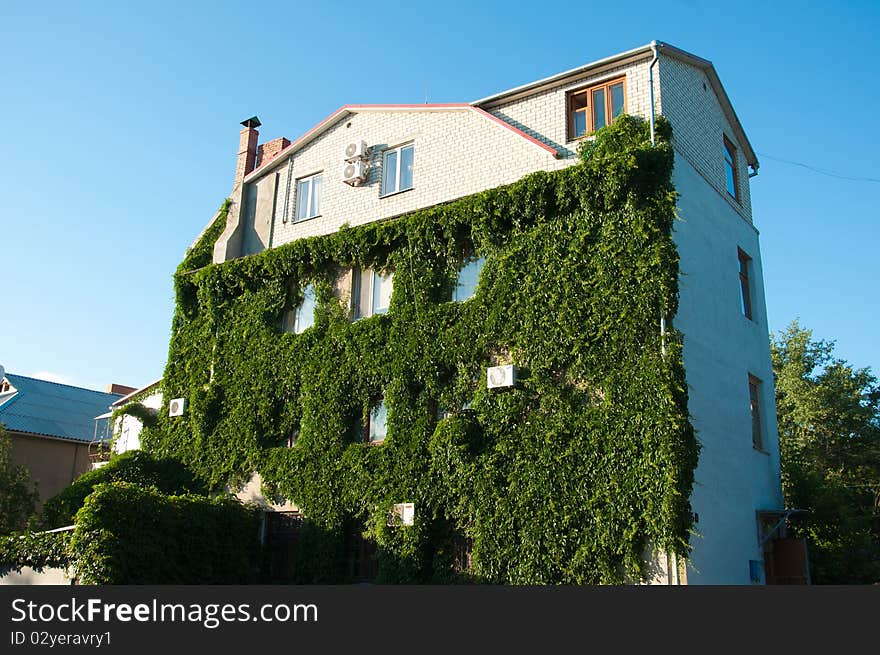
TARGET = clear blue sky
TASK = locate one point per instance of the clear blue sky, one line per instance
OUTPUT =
(120, 127)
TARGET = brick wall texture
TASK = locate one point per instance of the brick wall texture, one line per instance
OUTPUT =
(458, 152)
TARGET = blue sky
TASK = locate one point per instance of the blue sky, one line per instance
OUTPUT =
(120, 127)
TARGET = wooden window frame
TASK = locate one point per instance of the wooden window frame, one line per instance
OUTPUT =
(590, 120)
(745, 282)
(755, 413)
(730, 152)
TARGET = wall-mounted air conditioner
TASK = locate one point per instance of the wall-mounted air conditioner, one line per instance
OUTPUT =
(402, 514)
(354, 173)
(499, 377)
(176, 407)
(356, 150)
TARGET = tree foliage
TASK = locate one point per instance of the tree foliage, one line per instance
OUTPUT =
(829, 436)
(164, 474)
(18, 492)
(127, 534)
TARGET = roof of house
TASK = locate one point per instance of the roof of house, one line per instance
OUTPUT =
(480, 106)
(54, 410)
(348, 110)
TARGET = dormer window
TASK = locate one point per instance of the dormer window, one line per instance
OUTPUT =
(595, 107)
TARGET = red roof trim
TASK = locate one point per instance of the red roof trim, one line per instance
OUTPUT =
(553, 151)
(435, 105)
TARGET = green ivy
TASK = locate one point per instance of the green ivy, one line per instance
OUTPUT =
(166, 475)
(145, 415)
(126, 534)
(568, 478)
(37, 550)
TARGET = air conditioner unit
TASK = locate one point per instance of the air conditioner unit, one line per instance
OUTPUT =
(402, 514)
(177, 407)
(498, 377)
(355, 172)
(356, 150)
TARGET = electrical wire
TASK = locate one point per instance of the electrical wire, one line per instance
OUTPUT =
(820, 170)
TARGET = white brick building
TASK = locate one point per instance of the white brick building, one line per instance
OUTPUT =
(460, 149)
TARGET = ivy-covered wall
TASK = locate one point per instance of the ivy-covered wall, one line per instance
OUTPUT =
(567, 478)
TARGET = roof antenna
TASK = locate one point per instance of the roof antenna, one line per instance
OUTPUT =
(426, 92)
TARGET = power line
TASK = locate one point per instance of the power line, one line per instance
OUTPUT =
(821, 171)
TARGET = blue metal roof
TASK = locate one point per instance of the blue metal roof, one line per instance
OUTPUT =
(52, 409)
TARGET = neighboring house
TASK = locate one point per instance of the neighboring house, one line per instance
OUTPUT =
(366, 163)
(52, 427)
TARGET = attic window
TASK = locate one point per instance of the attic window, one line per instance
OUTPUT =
(595, 107)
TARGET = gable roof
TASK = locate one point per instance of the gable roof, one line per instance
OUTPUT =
(54, 410)
(480, 106)
(348, 110)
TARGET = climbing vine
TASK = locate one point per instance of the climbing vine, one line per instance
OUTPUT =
(570, 477)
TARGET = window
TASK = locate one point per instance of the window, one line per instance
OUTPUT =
(292, 438)
(744, 285)
(305, 312)
(371, 292)
(468, 276)
(755, 408)
(308, 197)
(730, 169)
(302, 317)
(397, 169)
(377, 424)
(595, 107)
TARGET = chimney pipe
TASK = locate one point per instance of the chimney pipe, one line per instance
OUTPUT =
(247, 148)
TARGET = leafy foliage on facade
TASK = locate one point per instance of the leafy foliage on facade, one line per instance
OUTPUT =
(568, 478)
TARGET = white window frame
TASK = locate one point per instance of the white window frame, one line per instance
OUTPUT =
(308, 290)
(309, 210)
(399, 150)
(363, 287)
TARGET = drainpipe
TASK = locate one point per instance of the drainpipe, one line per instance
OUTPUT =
(654, 46)
(656, 58)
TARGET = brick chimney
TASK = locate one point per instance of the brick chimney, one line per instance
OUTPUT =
(269, 150)
(123, 389)
(247, 148)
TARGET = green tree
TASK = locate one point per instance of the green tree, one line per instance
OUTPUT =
(18, 493)
(829, 437)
